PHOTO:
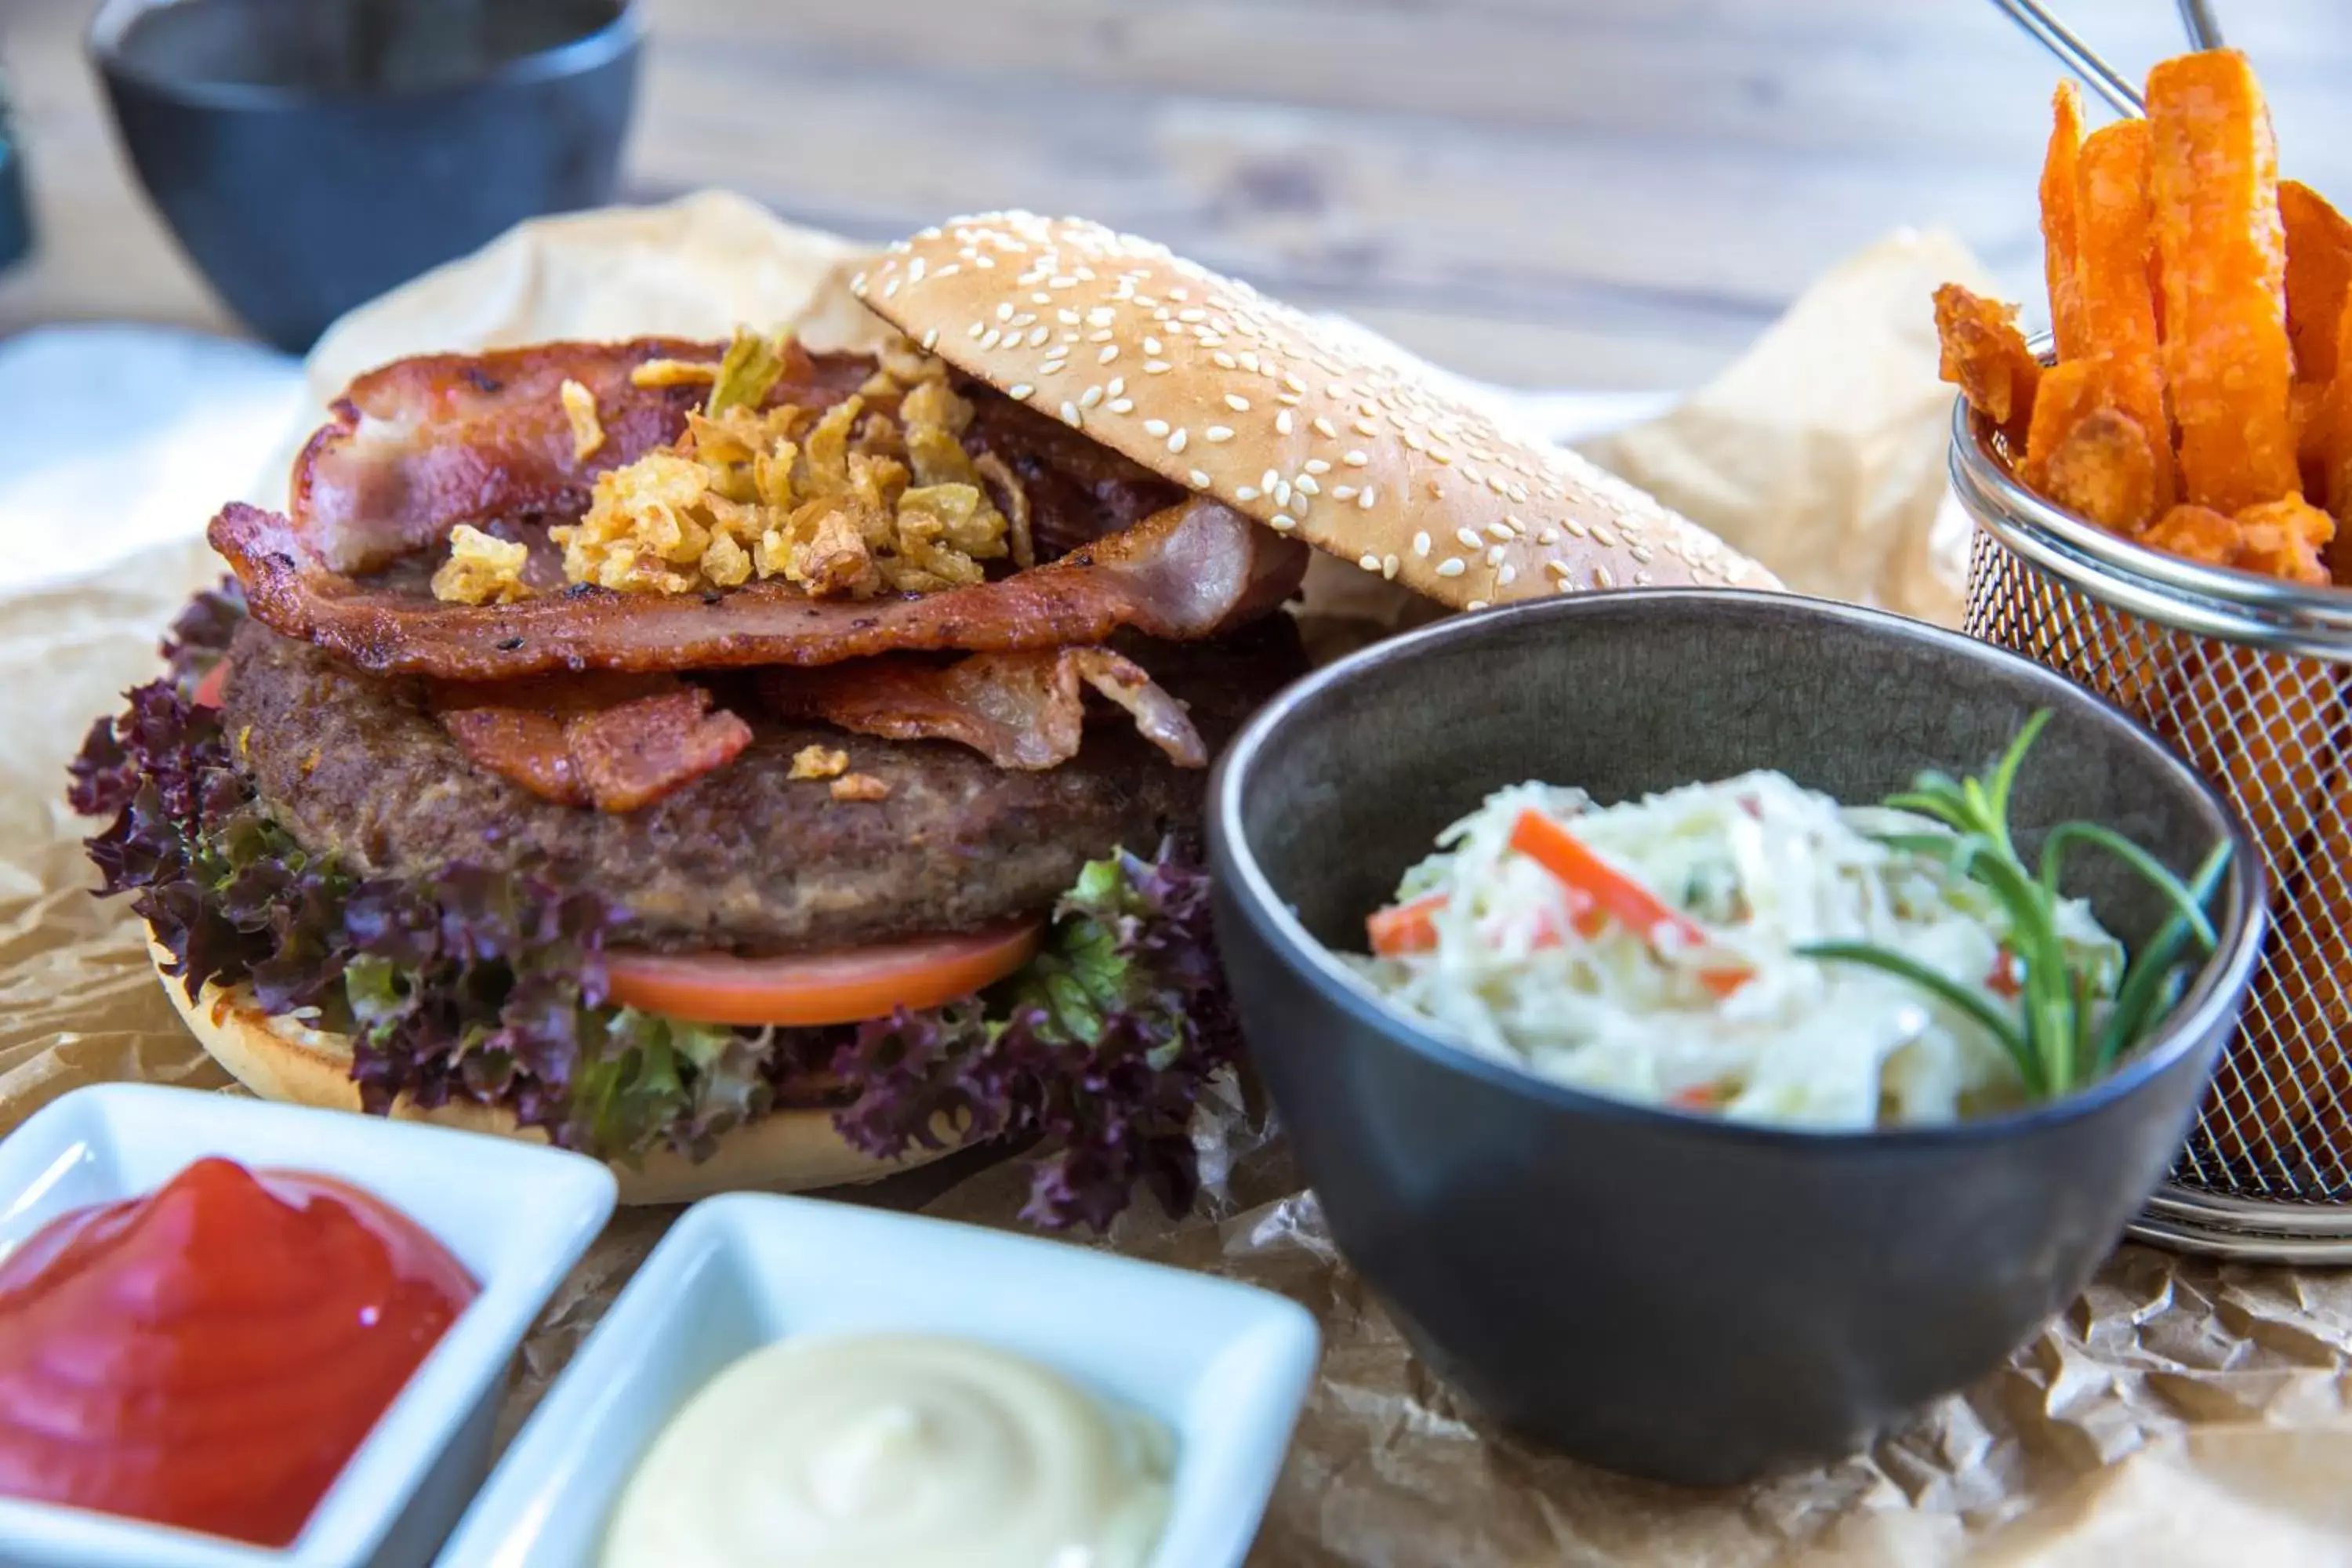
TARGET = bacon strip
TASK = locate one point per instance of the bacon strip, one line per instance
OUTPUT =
(422, 445)
(1023, 711)
(615, 743)
(1194, 570)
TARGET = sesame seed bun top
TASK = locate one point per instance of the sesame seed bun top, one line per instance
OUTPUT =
(1200, 379)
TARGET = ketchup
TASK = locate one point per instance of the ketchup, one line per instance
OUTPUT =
(210, 1356)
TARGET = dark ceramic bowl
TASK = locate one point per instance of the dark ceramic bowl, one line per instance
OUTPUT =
(312, 155)
(1657, 1292)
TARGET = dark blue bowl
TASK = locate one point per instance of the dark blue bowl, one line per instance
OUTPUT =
(312, 155)
(1658, 1292)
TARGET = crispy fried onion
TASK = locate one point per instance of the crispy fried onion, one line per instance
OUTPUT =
(847, 501)
(613, 741)
(1193, 570)
(424, 444)
(1023, 711)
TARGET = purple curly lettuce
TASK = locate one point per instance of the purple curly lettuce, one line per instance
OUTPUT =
(1100, 1045)
(490, 987)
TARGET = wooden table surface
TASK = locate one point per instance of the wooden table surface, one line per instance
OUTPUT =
(1596, 192)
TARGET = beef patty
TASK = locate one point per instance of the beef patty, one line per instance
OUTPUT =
(744, 857)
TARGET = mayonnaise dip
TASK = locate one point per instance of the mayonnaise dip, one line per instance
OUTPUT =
(894, 1451)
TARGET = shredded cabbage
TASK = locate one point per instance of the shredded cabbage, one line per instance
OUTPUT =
(1522, 969)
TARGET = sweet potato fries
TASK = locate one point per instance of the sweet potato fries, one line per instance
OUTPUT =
(2200, 318)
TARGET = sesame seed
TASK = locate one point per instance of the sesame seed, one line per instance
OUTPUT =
(1506, 576)
(1281, 423)
(1282, 493)
(1547, 536)
(1245, 492)
(930, 340)
(1090, 396)
(1225, 360)
(1268, 480)
(1281, 523)
(1389, 567)
(1317, 465)
(1469, 538)
(1117, 385)
(1324, 428)
(975, 329)
(1576, 526)
(1356, 458)
(1176, 442)
(1499, 532)
(1365, 496)
(1071, 416)
(1152, 345)
(1193, 314)
(1640, 553)
(1475, 604)
(1155, 367)
(1038, 335)
(1019, 391)
(1155, 428)
(1067, 318)
(992, 339)
(1121, 406)
(1451, 566)
(857, 284)
(1601, 577)
(1197, 479)
(889, 288)
(1495, 557)
(1603, 537)
(1219, 433)
(1421, 544)
(1249, 362)
(1369, 561)
(1365, 428)
(1291, 399)
(1307, 487)
(1005, 311)
(1343, 492)
(1292, 382)
(1237, 402)
(1557, 568)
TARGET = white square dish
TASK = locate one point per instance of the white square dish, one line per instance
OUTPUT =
(518, 1215)
(1226, 1366)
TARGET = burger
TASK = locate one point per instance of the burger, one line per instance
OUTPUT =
(762, 767)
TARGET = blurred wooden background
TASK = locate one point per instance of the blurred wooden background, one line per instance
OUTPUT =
(1596, 192)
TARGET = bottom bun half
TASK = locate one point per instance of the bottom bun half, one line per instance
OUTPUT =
(279, 1058)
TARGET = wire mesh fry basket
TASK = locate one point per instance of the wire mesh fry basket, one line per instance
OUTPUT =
(2251, 679)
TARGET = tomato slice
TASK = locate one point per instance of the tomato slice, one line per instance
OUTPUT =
(845, 986)
(208, 690)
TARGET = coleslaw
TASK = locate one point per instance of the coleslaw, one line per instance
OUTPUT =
(1652, 951)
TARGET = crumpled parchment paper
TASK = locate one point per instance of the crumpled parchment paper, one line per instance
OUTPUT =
(2182, 1412)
